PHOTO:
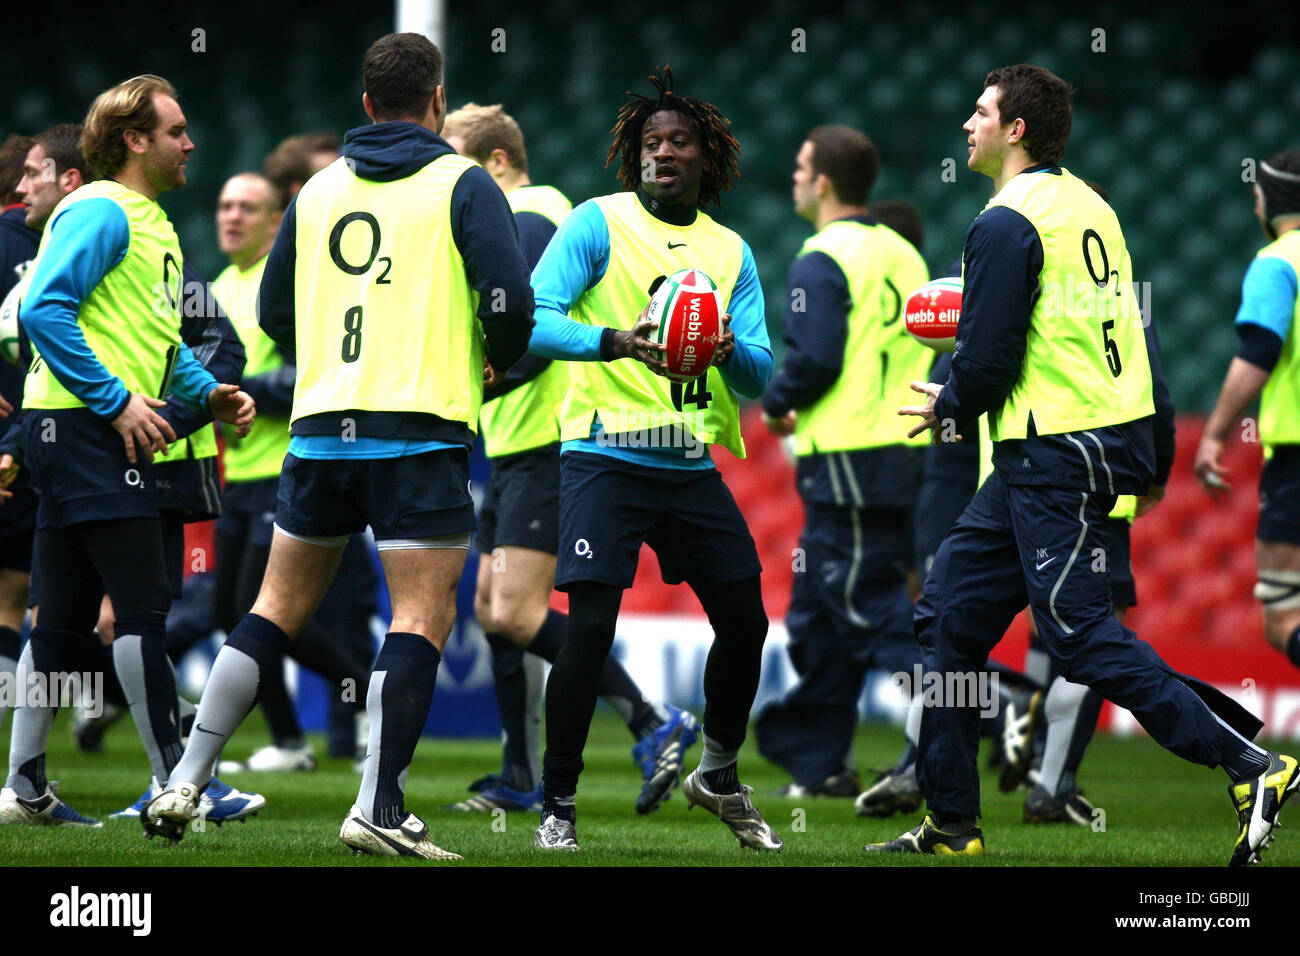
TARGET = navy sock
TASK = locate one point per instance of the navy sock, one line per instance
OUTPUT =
(724, 780)
(511, 686)
(100, 657)
(260, 639)
(952, 822)
(560, 786)
(1293, 647)
(1248, 761)
(401, 690)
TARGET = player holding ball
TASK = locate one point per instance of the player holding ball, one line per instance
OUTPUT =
(635, 460)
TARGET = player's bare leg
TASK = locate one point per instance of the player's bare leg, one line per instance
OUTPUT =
(422, 584)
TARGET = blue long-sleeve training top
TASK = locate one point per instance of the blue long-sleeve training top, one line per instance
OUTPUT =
(574, 262)
(87, 241)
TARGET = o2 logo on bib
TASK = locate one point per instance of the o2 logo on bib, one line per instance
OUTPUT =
(172, 281)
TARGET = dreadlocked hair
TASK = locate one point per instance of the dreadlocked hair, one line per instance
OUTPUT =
(719, 149)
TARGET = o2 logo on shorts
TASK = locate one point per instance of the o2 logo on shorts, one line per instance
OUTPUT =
(132, 478)
(582, 548)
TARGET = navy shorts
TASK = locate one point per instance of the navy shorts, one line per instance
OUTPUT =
(248, 511)
(417, 496)
(522, 505)
(18, 525)
(80, 471)
(1279, 497)
(608, 508)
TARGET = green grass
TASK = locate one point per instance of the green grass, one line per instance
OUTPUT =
(1159, 811)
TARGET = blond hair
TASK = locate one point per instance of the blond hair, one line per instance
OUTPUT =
(485, 128)
(127, 106)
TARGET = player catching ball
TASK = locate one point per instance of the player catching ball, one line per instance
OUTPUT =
(622, 486)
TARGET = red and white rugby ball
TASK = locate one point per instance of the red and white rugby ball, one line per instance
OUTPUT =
(689, 311)
(932, 311)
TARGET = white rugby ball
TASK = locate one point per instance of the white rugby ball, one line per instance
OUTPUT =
(689, 311)
(9, 323)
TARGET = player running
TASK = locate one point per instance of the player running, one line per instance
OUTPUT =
(1067, 379)
(383, 415)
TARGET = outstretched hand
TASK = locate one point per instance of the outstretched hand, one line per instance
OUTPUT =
(924, 412)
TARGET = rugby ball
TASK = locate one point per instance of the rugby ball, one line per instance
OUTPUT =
(9, 323)
(932, 311)
(689, 311)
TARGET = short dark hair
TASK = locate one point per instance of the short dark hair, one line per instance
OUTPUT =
(290, 162)
(1279, 182)
(1040, 98)
(62, 143)
(400, 73)
(848, 159)
(902, 217)
(1099, 189)
(13, 154)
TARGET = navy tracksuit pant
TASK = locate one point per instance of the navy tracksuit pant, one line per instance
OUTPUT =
(1046, 547)
(849, 612)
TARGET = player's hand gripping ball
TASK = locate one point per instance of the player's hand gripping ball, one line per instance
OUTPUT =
(932, 312)
(689, 311)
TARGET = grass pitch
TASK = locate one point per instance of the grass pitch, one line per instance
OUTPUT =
(1158, 811)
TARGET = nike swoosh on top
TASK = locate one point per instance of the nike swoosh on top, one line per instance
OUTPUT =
(1039, 567)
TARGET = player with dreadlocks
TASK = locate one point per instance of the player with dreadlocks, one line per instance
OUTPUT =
(635, 465)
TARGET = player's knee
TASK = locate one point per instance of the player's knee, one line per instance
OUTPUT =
(1279, 592)
(516, 620)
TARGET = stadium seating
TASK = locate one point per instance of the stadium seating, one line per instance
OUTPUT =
(1167, 141)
